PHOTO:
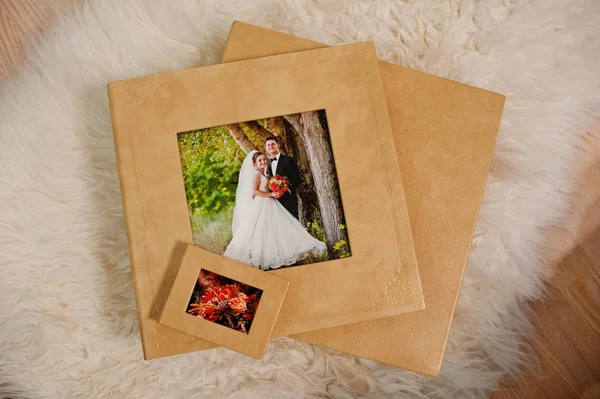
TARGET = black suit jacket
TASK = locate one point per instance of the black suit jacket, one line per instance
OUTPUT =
(286, 166)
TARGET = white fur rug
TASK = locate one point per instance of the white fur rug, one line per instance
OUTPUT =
(68, 325)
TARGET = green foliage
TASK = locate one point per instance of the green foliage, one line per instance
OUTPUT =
(315, 229)
(342, 250)
(210, 161)
(253, 137)
(341, 247)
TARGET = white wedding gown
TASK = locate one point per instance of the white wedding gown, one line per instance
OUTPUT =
(266, 235)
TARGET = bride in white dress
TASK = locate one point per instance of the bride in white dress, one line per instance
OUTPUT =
(265, 234)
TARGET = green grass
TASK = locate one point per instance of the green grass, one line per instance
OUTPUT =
(213, 232)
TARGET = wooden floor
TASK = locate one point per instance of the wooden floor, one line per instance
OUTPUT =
(566, 342)
(567, 333)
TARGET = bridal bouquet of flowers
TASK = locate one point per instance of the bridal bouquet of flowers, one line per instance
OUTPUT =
(227, 305)
(279, 184)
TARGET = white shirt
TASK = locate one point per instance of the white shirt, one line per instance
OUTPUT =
(274, 164)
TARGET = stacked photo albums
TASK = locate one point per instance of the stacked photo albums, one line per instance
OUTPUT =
(300, 190)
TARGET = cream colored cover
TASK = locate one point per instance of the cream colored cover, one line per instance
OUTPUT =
(380, 278)
(444, 134)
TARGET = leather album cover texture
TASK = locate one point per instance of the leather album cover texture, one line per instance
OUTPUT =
(444, 134)
(360, 243)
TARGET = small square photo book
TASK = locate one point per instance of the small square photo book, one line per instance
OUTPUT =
(286, 164)
(223, 301)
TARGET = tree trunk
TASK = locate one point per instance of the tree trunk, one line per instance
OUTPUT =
(308, 205)
(258, 130)
(318, 149)
(276, 126)
(294, 120)
(240, 138)
(292, 123)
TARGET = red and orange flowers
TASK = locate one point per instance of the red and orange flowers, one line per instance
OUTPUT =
(279, 184)
(231, 305)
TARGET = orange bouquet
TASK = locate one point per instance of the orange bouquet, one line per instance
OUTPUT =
(227, 305)
(279, 184)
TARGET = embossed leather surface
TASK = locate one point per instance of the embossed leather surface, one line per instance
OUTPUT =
(444, 133)
(148, 112)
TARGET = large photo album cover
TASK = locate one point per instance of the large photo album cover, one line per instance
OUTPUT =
(305, 186)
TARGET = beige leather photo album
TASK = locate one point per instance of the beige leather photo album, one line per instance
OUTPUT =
(223, 301)
(444, 134)
(284, 163)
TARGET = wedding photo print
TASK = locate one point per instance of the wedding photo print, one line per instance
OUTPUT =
(265, 192)
(224, 301)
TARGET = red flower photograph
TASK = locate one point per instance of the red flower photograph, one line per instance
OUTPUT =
(224, 301)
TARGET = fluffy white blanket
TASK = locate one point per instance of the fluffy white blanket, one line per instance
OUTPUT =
(68, 324)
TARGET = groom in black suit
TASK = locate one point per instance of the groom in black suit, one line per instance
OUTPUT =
(283, 165)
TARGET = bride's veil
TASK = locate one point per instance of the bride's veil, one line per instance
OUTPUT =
(243, 194)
